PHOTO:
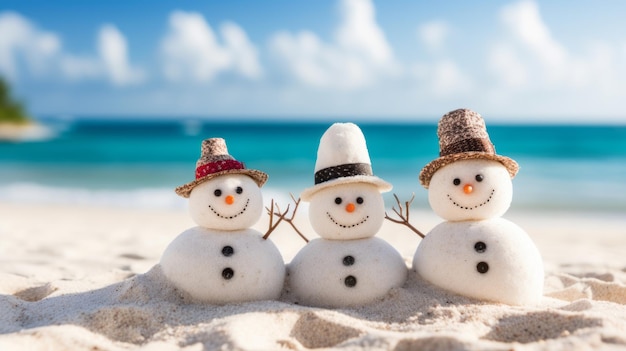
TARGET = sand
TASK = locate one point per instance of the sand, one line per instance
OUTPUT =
(87, 278)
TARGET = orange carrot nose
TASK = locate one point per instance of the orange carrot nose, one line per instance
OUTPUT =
(229, 199)
(350, 207)
(468, 189)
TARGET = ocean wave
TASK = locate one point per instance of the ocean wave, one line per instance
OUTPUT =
(135, 198)
(530, 194)
(148, 198)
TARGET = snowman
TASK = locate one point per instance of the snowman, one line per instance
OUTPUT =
(475, 253)
(347, 265)
(223, 260)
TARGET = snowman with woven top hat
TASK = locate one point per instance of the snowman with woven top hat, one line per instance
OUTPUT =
(223, 260)
(475, 252)
(347, 265)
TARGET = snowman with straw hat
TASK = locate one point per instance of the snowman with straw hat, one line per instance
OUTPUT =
(223, 260)
(475, 252)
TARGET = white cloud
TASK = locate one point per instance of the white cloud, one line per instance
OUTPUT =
(19, 38)
(524, 25)
(243, 53)
(449, 79)
(433, 34)
(42, 54)
(76, 68)
(113, 52)
(110, 63)
(359, 32)
(438, 76)
(524, 22)
(442, 78)
(191, 50)
(511, 71)
(529, 62)
(301, 53)
(358, 55)
(529, 57)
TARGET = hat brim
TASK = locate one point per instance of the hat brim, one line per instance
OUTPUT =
(259, 178)
(427, 172)
(382, 185)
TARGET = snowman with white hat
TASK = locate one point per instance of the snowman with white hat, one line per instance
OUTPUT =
(475, 253)
(223, 260)
(347, 265)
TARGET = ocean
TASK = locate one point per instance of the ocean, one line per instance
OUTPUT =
(135, 162)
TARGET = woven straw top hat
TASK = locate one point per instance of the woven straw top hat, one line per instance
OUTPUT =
(342, 157)
(462, 136)
(215, 161)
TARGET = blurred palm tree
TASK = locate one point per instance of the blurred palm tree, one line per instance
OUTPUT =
(11, 111)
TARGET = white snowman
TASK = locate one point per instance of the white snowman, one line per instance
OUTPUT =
(475, 253)
(347, 266)
(223, 260)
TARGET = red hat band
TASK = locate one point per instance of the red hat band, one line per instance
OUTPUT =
(218, 166)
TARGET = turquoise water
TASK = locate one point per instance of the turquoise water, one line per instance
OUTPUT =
(136, 162)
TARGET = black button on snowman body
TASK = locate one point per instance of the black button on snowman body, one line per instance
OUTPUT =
(228, 273)
(350, 280)
(482, 267)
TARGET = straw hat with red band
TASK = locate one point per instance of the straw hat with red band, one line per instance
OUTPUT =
(462, 136)
(215, 161)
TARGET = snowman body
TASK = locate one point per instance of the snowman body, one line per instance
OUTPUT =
(347, 266)
(492, 260)
(224, 266)
(476, 253)
(223, 260)
(338, 273)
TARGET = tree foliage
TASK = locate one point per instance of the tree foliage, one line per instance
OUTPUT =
(11, 111)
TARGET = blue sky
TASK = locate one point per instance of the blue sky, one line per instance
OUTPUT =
(557, 61)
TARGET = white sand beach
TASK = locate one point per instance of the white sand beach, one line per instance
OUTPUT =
(86, 278)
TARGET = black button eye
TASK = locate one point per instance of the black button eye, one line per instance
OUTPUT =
(359, 200)
(239, 190)
(338, 200)
(479, 177)
(456, 181)
(217, 192)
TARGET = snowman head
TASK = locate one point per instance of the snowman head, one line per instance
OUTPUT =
(347, 211)
(472, 189)
(227, 202)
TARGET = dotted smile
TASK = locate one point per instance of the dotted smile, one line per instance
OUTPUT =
(347, 226)
(245, 207)
(471, 208)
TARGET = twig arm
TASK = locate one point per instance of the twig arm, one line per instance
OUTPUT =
(404, 217)
(271, 213)
(293, 215)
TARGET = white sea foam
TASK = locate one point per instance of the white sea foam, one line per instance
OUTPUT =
(134, 198)
(165, 198)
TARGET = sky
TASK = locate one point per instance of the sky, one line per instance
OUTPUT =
(520, 60)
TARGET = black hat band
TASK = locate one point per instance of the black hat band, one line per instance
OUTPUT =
(342, 171)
